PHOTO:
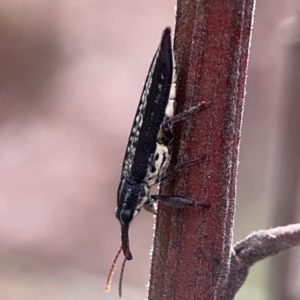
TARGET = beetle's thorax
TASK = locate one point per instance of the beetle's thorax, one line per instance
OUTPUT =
(132, 195)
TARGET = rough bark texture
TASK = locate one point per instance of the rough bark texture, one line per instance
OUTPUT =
(192, 246)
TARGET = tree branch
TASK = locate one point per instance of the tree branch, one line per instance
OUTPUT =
(258, 246)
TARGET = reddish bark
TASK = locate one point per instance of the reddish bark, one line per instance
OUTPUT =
(192, 246)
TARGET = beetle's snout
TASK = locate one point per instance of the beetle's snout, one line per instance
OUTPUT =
(125, 241)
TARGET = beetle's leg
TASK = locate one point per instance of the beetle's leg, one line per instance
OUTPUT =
(177, 201)
(151, 208)
(173, 172)
(166, 126)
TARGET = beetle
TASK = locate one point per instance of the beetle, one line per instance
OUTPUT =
(148, 155)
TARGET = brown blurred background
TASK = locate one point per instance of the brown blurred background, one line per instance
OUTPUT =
(71, 73)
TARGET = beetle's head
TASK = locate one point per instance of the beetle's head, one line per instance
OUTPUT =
(125, 216)
(130, 198)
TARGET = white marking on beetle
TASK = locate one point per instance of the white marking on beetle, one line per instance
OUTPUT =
(130, 151)
(170, 108)
(158, 166)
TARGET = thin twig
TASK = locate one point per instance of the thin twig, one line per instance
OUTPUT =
(257, 246)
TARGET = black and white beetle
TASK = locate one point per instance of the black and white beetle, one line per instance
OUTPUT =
(147, 154)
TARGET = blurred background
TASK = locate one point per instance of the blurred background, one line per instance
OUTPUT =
(71, 74)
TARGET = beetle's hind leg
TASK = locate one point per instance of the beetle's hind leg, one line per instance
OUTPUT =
(166, 126)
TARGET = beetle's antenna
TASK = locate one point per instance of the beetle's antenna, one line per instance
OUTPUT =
(112, 270)
(121, 277)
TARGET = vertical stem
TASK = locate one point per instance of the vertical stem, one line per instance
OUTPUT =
(191, 255)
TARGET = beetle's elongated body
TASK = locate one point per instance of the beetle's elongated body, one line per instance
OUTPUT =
(147, 154)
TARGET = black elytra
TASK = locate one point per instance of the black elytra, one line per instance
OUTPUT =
(147, 154)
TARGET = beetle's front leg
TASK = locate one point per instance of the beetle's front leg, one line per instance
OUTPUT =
(174, 200)
(177, 201)
(151, 208)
